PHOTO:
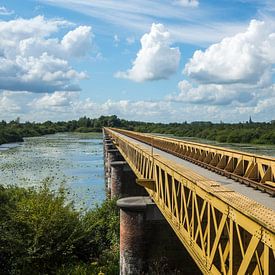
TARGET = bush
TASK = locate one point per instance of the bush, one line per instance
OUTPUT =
(41, 233)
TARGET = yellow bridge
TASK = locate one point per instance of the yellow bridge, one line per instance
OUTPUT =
(226, 231)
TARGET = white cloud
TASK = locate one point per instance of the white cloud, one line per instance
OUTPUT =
(20, 28)
(75, 43)
(156, 59)
(5, 11)
(55, 100)
(63, 105)
(137, 109)
(212, 94)
(244, 58)
(31, 60)
(142, 110)
(8, 105)
(234, 74)
(187, 3)
(68, 105)
(78, 41)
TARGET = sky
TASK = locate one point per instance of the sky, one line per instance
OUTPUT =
(158, 61)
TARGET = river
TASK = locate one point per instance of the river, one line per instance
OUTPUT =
(72, 159)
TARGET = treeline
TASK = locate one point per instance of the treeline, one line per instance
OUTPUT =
(14, 131)
(247, 132)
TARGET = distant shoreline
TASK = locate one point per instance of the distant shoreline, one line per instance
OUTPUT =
(248, 132)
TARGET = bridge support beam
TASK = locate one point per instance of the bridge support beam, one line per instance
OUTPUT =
(111, 156)
(107, 145)
(132, 235)
(147, 242)
(123, 181)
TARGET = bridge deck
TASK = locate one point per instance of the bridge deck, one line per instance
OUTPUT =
(256, 195)
(227, 227)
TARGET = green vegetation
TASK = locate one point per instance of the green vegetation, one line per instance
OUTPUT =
(41, 233)
(257, 133)
(248, 132)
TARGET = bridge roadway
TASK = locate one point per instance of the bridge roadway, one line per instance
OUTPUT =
(256, 195)
(227, 227)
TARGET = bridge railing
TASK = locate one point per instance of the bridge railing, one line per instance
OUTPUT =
(224, 232)
(254, 170)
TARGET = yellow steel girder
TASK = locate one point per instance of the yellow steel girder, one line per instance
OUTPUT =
(257, 171)
(224, 232)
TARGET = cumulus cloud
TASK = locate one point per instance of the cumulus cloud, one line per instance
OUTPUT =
(156, 59)
(32, 60)
(187, 3)
(68, 105)
(20, 28)
(43, 74)
(236, 72)
(69, 101)
(142, 110)
(78, 41)
(5, 11)
(57, 100)
(75, 43)
(212, 94)
(244, 58)
(63, 105)
(8, 104)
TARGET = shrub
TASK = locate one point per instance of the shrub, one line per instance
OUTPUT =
(41, 233)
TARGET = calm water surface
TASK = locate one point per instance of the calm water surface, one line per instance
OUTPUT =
(75, 160)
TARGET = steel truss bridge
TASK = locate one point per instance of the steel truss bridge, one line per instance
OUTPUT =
(224, 231)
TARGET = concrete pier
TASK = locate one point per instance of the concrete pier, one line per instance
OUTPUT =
(120, 180)
(123, 181)
(111, 156)
(148, 245)
(117, 178)
(132, 235)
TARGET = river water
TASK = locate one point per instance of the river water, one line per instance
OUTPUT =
(72, 159)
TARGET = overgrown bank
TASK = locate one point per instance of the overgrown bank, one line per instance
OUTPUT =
(41, 233)
(245, 132)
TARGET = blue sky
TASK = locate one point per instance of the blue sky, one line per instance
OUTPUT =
(145, 60)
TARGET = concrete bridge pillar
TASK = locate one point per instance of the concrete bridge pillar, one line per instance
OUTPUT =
(112, 155)
(132, 235)
(107, 145)
(148, 245)
(117, 175)
(123, 181)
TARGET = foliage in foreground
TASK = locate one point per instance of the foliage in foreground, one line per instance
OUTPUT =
(40, 233)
